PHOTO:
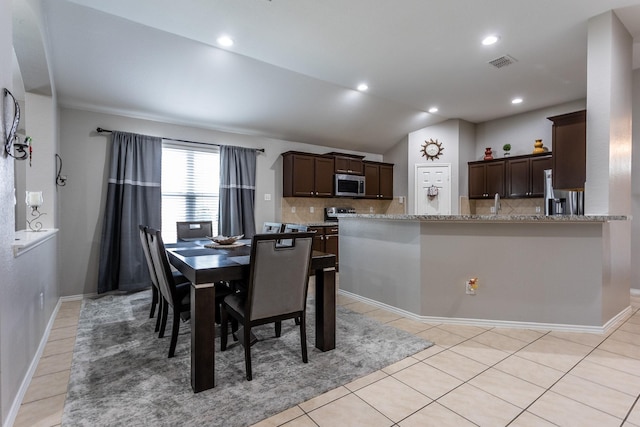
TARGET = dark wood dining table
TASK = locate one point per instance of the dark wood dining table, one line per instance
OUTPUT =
(204, 267)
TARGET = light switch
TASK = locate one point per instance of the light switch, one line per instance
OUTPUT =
(267, 196)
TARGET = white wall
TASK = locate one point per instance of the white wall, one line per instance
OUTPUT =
(635, 184)
(398, 156)
(85, 154)
(520, 130)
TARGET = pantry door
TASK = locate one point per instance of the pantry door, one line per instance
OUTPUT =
(431, 201)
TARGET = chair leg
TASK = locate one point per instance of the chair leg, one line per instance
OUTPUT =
(160, 311)
(303, 338)
(174, 332)
(163, 323)
(154, 301)
(224, 328)
(278, 329)
(247, 350)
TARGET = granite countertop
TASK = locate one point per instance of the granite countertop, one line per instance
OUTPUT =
(321, 224)
(496, 218)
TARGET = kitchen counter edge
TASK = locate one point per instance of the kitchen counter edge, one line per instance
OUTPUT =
(495, 218)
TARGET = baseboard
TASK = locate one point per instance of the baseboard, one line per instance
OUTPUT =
(17, 401)
(495, 323)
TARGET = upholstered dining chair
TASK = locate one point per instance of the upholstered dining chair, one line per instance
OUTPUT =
(157, 297)
(272, 227)
(193, 230)
(277, 289)
(176, 295)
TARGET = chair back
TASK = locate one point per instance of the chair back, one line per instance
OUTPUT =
(147, 255)
(279, 274)
(166, 284)
(272, 227)
(193, 230)
(294, 228)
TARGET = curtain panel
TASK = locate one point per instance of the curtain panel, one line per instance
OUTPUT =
(133, 198)
(237, 191)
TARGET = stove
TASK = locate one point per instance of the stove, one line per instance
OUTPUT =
(330, 214)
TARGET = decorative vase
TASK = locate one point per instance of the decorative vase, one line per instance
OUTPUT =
(507, 154)
(487, 154)
(538, 148)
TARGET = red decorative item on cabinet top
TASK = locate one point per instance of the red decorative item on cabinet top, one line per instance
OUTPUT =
(487, 154)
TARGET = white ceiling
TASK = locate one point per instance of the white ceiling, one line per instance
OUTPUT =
(292, 71)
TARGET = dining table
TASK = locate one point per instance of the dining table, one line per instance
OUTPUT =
(204, 266)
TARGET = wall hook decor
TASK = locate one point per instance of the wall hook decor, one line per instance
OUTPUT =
(61, 180)
(12, 142)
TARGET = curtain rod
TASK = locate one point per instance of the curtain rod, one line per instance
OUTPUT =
(100, 130)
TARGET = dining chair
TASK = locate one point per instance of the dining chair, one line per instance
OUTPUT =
(157, 297)
(277, 289)
(272, 227)
(193, 230)
(176, 295)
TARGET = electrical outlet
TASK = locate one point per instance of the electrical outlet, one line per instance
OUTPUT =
(537, 209)
(401, 199)
(470, 286)
(293, 209)
(371, 209)
(492, 209)
(312, 209)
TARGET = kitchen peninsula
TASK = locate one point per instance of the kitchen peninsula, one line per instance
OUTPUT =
(533, 271)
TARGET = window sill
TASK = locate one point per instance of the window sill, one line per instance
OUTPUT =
(25, 240)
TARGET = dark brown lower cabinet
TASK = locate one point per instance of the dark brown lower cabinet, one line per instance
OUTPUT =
(326, 240)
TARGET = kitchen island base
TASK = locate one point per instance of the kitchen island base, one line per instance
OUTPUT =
(540, 274)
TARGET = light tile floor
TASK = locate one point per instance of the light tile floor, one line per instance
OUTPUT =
(472, 376)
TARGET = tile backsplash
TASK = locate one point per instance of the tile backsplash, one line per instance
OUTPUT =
(508, 206)
(299, 209)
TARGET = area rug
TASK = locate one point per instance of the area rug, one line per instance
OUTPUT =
(121, 376)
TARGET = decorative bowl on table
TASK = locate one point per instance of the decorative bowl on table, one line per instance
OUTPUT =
(224, 240)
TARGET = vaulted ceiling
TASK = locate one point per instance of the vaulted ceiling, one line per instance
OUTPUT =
(293, 70)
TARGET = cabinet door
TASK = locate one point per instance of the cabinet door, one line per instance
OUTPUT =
(386, 181)
(372, 180)
(569, 150)
(538, 165)
(303, 178)
(348, 165)
(323, 178)
(477, 174)
(331, 241)
(518, 178)
(495, 179)
(318, 239)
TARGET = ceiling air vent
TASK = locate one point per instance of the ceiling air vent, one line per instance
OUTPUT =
(503, 61)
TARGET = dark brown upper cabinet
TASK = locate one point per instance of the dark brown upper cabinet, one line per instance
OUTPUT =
(525, 175)
(348, 164)
(569, 135)
(486, 178)
(307, 175)
(378, 180)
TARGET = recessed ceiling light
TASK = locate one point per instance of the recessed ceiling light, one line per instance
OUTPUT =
(489, 40)
(433, 110)
(225, 41)
(362, 87)
(516, 101)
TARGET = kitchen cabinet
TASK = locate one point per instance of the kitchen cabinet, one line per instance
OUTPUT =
(525, 176)
(378, 180)
(569, 133)
(347, 164)
(486, 178)
(307, 175)
(326, 240)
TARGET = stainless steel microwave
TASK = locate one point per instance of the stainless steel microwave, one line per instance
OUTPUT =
(349, 185)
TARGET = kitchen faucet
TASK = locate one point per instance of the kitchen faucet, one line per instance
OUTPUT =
(496, 203)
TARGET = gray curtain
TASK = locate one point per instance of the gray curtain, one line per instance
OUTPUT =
(133, 198)
(237, 191)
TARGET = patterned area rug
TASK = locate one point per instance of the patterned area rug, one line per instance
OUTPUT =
(121, 375)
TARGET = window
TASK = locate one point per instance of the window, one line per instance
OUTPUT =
(190, 185)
